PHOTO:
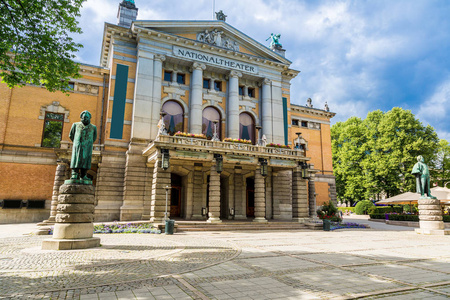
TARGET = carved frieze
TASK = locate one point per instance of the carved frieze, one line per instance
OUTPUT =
(217, 38)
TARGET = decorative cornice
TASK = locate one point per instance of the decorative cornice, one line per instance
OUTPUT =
(311, 111)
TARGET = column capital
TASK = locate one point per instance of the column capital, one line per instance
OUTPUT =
(265, 81)
(235, 74)
(160, 57)
(198, 66)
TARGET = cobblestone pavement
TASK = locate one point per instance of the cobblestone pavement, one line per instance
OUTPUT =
(342, 264)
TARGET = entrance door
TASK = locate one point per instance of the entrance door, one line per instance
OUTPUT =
(250, 197)
(175, 196)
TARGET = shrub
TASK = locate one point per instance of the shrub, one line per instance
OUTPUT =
(446, 218)
(377, 216)
(385, 209)
(363, 206)
(411, 218)
(328, 212)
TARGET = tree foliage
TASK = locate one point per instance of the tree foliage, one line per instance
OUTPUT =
(440, 171)
(375, 156)
(35, 42)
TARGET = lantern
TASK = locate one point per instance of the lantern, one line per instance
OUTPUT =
(264, 167)
(219, 163)
(165, 159)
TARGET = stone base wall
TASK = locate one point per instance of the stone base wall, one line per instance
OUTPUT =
(109, 188)
(23, 215)
(282, 195)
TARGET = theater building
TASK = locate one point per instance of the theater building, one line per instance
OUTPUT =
(172, 101)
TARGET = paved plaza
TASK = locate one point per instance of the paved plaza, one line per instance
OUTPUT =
(390, 262)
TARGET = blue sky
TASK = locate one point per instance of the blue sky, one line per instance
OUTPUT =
(359, 56)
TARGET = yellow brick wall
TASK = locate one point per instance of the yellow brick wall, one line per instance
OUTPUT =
(322, 196)
(24, 126)
(26, 181)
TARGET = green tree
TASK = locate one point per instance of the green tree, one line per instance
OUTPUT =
(375, 156)
(440, 167)
(35, 42)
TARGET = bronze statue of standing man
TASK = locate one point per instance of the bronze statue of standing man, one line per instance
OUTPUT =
(422, 173)
(83, 134)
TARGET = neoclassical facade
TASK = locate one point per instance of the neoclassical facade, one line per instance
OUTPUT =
(173, 101)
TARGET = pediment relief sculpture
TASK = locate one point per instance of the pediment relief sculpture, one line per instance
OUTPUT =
(217, 38)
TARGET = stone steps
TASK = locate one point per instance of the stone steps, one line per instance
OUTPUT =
(234, 226)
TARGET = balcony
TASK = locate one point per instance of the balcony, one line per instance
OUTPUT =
(204, 150)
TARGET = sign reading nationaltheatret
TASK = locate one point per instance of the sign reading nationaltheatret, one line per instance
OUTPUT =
(215, 60)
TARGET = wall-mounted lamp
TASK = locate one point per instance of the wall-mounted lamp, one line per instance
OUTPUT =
(264, 167)
(219, 163)
(204, 211)
(232, 211)
(165, 159)
(305, 169)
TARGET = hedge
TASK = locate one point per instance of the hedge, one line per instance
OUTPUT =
(386, 209)
(411, 218)
(377, 216)
(446, 219)
(344, 209)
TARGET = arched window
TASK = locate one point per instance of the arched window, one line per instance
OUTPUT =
(174, 118)
(210, 114)
(246, 127)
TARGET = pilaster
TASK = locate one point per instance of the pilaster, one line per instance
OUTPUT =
(266, 104)
(214, 196)
(312, 196)
(300, 207)
(197, 192)
(240, 209)
(156, 93)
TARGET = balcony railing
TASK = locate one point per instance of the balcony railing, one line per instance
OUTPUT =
(203, 144)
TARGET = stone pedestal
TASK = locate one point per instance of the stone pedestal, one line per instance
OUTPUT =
(430, 218)
(74, 218)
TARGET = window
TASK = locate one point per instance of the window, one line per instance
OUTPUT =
(251, 92)
(246, 127)
(35, 204)
(167, 76)
(71, 86)
(53, 127)
(241, 90)
(206, 83)
(218, 85)
(12, 204)
(181, 78)
(294, 122)
(210, 114)
(174, 118)
(304, 124)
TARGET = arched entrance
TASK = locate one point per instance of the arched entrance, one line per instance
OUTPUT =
(175, 196)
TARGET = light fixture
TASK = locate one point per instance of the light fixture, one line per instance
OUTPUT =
(204, 211)
(219, 163)
(264, 167)
(305, 169)
(165, 159)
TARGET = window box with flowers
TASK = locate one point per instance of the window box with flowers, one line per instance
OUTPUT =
(273, 145)
(242, 141)
(190, 135)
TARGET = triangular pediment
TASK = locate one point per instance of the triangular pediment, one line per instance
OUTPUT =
(216, 34)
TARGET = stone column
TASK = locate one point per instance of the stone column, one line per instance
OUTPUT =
(156, 93)
(195, 115)
(260, 200)
(161, 179)
(174, 76)
(266, 104)
(147, 192)
(245, 91)
(60, 176)
(233, 105)
(312, 196)
(214, 195)
(300, 207)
